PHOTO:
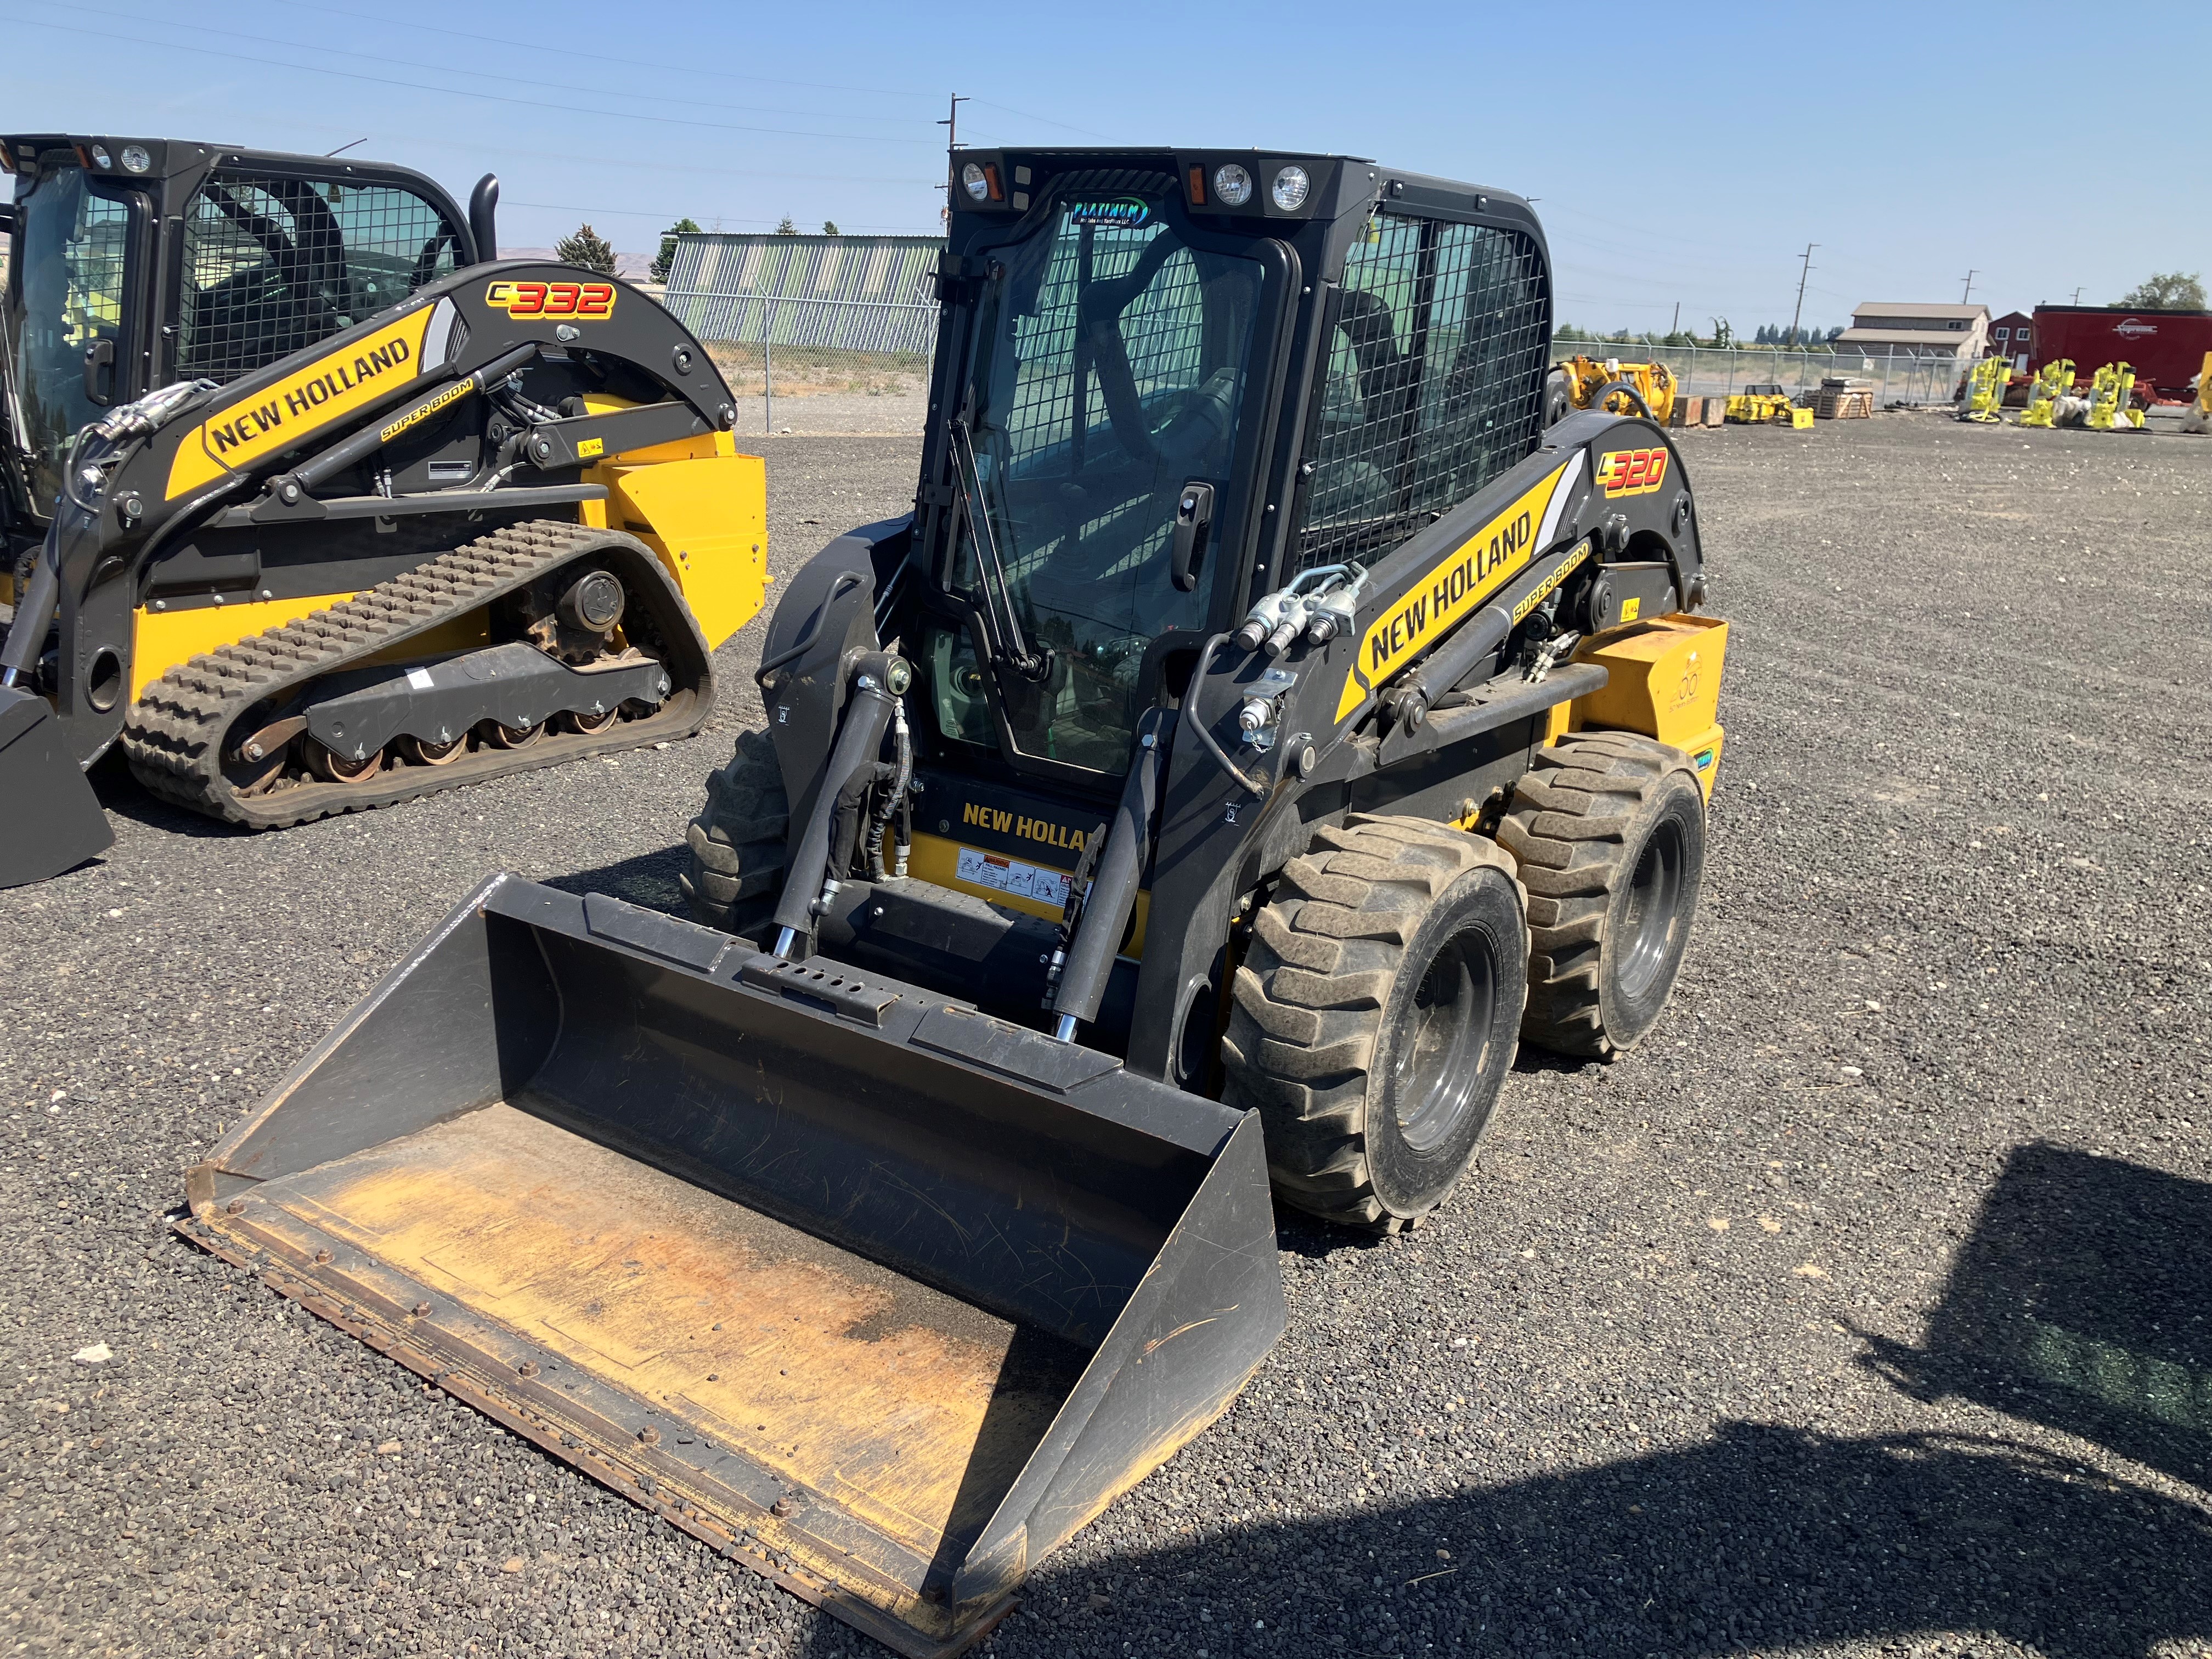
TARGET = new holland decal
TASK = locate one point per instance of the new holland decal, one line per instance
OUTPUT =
(277, 417)
(1632, 471)
(1460, 582)
(582, 301)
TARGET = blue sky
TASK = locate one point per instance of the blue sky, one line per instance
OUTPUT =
(1681, 153)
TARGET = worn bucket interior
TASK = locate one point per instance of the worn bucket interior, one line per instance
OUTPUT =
(879, 1295)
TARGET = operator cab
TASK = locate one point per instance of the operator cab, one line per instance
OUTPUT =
(134, 264)
(1118, 469)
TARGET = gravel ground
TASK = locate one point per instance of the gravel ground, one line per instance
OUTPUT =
(1723, 1349)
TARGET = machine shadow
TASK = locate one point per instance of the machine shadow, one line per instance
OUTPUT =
(2083, 1301)
(1766, 1538)
(649, 880)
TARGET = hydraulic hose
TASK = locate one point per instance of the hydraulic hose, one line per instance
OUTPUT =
(1205, 732)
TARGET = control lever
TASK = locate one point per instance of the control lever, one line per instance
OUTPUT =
(1193, 519)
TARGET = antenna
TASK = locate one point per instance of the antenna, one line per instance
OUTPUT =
(1807, 256)
(343, 149)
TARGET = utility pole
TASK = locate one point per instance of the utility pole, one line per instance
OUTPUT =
(1807, 256)
(1676, 328)
(951, 126)
(951, 122)
(2077, 296)
(1971, 275)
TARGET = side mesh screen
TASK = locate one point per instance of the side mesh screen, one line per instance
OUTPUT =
(1434, 381)
(272, 265)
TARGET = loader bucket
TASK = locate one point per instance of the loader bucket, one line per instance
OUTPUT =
(51, 821)
(880, 1296)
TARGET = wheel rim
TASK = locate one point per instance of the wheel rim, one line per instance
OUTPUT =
(426, 753)
(591, 724)
(1446, 1039)
(1655, 904)
(341, 768)
(511, 737)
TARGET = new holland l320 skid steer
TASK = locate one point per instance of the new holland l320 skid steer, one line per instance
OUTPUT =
(313, 505)
(1262, 724)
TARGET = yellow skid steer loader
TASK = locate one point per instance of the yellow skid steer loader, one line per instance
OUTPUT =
(311, 504)
(1264, 724)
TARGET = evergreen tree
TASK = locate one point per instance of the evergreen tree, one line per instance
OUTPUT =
(588, 249)
(786, 228)
(829, 227)
(666, 257)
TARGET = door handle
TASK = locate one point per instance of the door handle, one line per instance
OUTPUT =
(1193, 519)
(100, 354)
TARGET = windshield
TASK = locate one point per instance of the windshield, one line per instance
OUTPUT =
(1111, 369)
(70, 265)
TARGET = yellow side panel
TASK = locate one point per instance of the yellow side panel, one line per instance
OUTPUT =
(935, 859)
(1666, 683)
(705, 516)
(160, 639)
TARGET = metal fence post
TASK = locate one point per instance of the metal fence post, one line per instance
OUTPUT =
(767, 370)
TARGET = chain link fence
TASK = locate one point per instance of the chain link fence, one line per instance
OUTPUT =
(838, 332)
(1931, 377)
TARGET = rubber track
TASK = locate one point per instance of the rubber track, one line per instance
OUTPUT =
(175, 735)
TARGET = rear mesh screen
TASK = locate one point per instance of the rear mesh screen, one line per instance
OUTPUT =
(272, 265)
(1434, 381)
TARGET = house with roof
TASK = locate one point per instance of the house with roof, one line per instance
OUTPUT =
(1887, 328)
(2012, 336)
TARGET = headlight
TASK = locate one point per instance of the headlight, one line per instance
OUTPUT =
(135, 159)
(973, 181)
(1232, 185)
(1291, 189)
(99, 157)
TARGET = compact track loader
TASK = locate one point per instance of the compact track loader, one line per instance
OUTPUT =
(1262, 725)
(312, 504)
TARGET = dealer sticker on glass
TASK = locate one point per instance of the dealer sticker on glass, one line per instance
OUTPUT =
(1012, 877)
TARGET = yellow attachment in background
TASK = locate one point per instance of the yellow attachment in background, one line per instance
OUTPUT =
(2110, 395)
(1767, 408)
(2052, 381)
(1586, 378)
(1985, 390)
(702, 508)
(1665, 683)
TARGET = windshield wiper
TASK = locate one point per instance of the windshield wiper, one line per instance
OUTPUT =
(1029, 665)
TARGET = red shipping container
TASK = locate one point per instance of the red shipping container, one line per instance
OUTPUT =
(2165, 348)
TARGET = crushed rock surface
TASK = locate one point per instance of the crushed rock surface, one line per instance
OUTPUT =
(1864, 1308)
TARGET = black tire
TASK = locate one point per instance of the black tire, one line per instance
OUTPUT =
(1376, 1016)
(1558, 398)
(1609, 828)
(737, 840)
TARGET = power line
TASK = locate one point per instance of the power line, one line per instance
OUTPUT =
(473, 73)
(453, 92)
(510, 42)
